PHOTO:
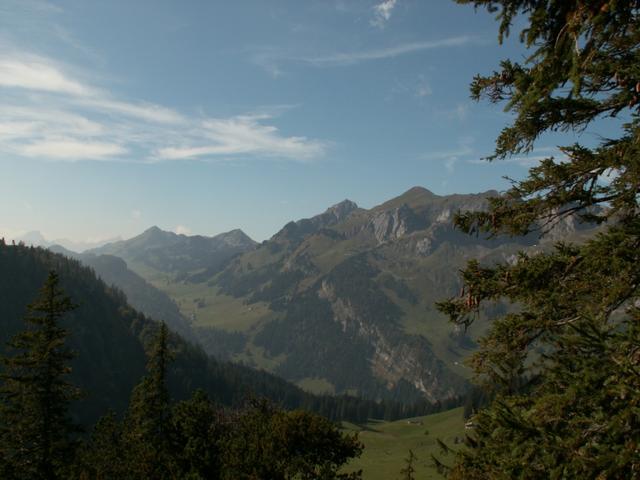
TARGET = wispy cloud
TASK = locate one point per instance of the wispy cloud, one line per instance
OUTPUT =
(450, 158)
(182, 230)
(459, 112)
(272, 59)
(450, 164)
(418, 87)
(423, 89)
(462, 151)
(382, 13)
(143, 111)
(70, 150)
(527, 161)
(351, 58)
(244, 135)
(50, 113)
(35, 73)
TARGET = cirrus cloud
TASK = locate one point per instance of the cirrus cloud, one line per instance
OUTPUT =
(35, 73)
(49, 113)
(244, 135)
(71, 150)
(272, 59)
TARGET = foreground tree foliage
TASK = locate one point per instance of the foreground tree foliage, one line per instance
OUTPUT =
(564, 366)
(266, 442)
(157, 438)
(196, 439)
(147, 425)
(36, 432)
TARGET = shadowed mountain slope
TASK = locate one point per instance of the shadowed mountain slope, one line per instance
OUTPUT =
(110, 339)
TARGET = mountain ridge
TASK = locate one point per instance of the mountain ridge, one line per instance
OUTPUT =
(172, 253)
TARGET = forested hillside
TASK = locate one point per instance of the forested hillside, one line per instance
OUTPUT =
(159, 436)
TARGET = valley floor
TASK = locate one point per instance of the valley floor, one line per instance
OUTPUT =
(387, 444)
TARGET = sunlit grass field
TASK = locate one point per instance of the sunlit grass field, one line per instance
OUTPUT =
(387, 444)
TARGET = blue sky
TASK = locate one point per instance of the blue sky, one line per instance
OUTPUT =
(204, 116)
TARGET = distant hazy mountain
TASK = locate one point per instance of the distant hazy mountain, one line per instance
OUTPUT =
(143, 296)
(155, 303)
(158, 251)
(36, 239)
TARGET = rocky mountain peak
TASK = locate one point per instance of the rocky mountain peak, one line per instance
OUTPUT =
(155, 235)
(342, 209)
(418, 190)
(153, 231)
(298, 230)
(414, 197)
(236, 238)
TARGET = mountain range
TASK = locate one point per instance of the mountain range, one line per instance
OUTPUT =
(342, 302)
(158, 251)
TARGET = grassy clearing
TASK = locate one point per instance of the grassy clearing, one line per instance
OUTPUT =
(387, 444)
(317, 385)
(258, 358)
(210, 308)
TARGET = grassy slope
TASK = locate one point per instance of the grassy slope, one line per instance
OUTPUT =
(387, 444)
(319, 386)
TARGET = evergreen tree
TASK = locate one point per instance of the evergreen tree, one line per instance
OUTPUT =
(104, 455)
(266, 442)
(576, 333)
(36, 432)
(408, 471)
(147, 426)
(199, 431)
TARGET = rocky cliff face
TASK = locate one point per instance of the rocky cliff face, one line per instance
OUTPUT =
(396, 356)
(396, 223)
(297, 231)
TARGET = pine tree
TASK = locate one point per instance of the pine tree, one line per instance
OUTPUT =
(104, 455)
(564, 367)
(199, 429)
(408, 471)
(147, 426)
(36, 432)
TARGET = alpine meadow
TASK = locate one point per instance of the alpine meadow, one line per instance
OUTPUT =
(320, 240)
